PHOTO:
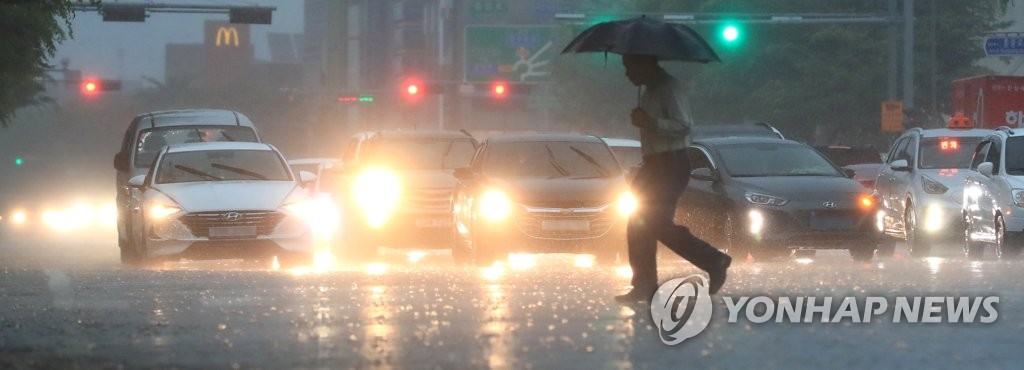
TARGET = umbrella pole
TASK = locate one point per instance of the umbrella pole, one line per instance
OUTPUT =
(639, 94)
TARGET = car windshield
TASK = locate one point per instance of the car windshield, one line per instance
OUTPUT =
(774, 159)
(947, 152)
(844, 156)
(152, 140)
(1015, 156)
(550, 159)
(221, 165)
(421, 153)
(629, 156)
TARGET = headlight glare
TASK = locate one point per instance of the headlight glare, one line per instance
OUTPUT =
(494, 205)
(756, 221)
(627, 203)
(160, 211)
(377, 192)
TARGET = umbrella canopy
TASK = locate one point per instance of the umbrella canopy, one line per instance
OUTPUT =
(644, 36)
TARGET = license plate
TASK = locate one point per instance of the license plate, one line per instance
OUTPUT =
(565, 225)
(233, 232)
(831, 223)
(433, 222)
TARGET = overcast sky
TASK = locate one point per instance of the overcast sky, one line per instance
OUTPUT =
(95, 46)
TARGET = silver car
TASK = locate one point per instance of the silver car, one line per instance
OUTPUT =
(920, 186)
(221, 200)
(993, 205)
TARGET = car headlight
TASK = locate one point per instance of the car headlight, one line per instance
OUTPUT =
(626, 203)
(765, 199)
(1018, 197)
(162, 210)
(494, 205)
(931, 186)
(377, 192)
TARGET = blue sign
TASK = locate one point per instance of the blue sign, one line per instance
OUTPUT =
(1004, 45)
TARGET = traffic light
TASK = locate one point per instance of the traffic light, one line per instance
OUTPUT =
(731, 33)
(499, 90)
(92, 86)
(355, 99)
(19, 161)
(412, 90)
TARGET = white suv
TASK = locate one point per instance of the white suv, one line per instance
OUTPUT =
(993, 206)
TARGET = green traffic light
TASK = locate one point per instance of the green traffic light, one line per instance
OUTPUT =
(730, 33)
(18, 161)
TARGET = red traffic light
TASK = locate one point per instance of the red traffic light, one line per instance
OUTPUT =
(499, 89)
(90, 87)
(93, 86)
(412, 89)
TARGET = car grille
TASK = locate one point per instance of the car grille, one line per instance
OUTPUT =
(429, 199)
(200, 223)
(530, 221)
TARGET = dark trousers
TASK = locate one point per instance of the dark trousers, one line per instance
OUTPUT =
(658, 185)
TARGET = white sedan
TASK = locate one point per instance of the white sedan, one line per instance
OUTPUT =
(221, 200)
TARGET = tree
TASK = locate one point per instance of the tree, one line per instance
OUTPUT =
(29, 33)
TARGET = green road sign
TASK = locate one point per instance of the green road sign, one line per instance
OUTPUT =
(515, 54)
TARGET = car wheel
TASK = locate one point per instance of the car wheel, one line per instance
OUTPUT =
(886, 246)
(862, 253)
(916, 246)
(731, 240)
(972, 249)
(1000, 227)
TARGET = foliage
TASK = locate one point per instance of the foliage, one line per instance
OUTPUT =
(29, 33)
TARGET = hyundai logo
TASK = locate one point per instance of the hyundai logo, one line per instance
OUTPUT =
(830, 204)
(232, 216)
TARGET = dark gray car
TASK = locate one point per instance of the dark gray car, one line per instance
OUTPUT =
(769, 196)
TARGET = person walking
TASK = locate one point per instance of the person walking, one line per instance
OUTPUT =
(663, 117)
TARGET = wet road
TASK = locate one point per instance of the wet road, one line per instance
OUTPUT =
(69, 304)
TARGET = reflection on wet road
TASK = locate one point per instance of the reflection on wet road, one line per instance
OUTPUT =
(71, 304)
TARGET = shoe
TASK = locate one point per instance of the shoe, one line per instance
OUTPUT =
(636, 296)
(717, 275)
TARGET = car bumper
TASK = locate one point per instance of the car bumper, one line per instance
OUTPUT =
(527, 234)
(173, 237)
(814, 229)
(408, 230)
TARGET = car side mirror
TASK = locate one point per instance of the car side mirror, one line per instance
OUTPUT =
(464, 173)
(121, 162)
(705, 174)
(137, 181)
(849, 172)
(900, 165)
(306, 177)
(985, 168)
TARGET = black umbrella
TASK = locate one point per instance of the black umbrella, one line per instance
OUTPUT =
(644, 36)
